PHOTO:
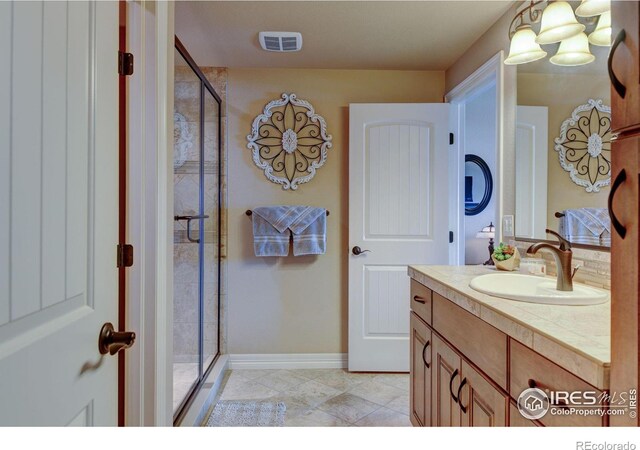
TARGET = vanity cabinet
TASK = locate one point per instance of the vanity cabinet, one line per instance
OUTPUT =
(465, 372)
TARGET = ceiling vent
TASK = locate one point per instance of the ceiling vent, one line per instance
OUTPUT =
(280, 41)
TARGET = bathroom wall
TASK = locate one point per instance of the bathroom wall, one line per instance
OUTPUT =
(299, 304)
(562, 94)
(480, 139)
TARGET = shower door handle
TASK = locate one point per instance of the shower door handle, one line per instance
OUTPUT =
(189, 219)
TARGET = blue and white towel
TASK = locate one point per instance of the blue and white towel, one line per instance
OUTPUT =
(273, 225)
(591, 226)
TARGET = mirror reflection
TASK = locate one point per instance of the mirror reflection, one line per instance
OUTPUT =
(549, 195)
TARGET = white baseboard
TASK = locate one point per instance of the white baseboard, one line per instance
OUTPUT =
(288, 361)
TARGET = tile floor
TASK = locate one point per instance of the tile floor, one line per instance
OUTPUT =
(184, 376)
(325, 397)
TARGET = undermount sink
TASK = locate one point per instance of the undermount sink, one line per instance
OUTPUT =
(532, 289)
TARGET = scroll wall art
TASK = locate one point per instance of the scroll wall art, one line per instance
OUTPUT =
(584, 145)
(289, 141)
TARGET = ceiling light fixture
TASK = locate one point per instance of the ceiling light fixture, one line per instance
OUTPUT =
(558, 23)
(573, 51)
(590, 8)
(602, 34)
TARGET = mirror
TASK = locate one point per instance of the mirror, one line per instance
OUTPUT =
(478, 185)
(547, 195)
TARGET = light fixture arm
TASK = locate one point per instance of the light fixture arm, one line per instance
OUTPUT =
(534, 16)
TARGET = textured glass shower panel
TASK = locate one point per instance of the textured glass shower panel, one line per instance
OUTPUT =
(186, 304)
(211, 208)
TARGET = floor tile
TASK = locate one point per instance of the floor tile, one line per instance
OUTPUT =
(343, 380)
(377, 392)
(314, 418)
(252, 374)
(313, 374)
(312, 392)
(400, 404)
(384, 417)
(348, 407)
(397, 380)
(249, 390)
(281, 380)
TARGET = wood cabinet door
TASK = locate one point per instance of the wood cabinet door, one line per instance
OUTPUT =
(626, 65)
(420, 397)
(445, 375)
(625, 286)
(481, 404)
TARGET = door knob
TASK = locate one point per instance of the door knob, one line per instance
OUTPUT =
(358, 251)
(111, 341)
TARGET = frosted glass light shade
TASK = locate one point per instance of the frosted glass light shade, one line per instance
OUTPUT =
(523, 48)
(590, 8)
(573, 52)
(558, 23)
(602, 34)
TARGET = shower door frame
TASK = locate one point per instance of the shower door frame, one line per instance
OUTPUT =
(203, 372)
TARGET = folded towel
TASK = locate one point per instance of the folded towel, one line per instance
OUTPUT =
(272, 226)
(586, 225)
(310, 232)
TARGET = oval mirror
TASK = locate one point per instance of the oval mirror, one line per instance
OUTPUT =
(478, 185)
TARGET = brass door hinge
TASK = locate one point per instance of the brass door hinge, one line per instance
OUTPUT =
(125, 63)
(124, 255)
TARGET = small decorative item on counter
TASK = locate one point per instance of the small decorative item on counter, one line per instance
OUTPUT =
(506, 257)
(533, 266)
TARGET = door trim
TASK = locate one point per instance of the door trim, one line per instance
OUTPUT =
(491, 70)
(149, 376)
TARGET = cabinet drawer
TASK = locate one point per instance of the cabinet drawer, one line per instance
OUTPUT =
(475, 339)
(421, 301)
(528, 369)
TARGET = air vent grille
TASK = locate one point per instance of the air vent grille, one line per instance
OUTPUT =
(280, 41)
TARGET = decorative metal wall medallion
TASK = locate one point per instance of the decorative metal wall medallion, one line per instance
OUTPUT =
(584, 145)
(182, 140)
(289, 141)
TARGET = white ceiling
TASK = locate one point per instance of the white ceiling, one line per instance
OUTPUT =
(407, 35)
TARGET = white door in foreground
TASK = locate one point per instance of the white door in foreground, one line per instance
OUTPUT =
(58, 211)
(398, 215)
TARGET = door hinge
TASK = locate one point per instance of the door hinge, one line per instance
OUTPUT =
(124, 255)
(450, 237)
(450, 138)
(125, 63)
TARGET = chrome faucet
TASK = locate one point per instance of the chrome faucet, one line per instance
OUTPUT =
(562, 254)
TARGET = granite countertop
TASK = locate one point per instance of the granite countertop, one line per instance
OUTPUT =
(577, 338)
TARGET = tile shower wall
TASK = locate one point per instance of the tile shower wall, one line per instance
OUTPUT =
(186, 197)
(595, 266)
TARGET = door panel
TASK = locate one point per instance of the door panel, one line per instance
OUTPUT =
(444, 410)
(420, 398)
(397, 210)
(485, 405)
(59, 213)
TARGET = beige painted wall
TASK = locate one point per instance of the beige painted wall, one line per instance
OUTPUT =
(299, 304)
(562, 94)
(486, 46)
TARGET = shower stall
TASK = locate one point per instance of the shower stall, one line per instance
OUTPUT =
(197, 229)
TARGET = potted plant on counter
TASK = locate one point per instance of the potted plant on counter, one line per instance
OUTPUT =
(506, 257)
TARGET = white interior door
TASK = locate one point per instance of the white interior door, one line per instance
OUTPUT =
(58, 211)
(398, 211)
(531, 171)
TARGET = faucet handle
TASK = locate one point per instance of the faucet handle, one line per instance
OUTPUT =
(564, 244)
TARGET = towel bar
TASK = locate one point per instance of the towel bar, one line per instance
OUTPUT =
(248, 212)
(559, 215)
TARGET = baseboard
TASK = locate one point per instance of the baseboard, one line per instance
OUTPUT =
(288, 361)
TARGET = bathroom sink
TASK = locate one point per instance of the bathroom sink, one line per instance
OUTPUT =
(532, 289)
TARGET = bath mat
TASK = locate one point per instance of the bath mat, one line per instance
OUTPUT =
(247, 414)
